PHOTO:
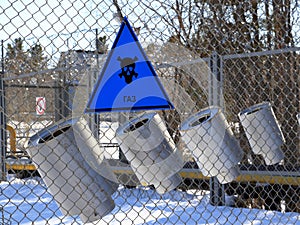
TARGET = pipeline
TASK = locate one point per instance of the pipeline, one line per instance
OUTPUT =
(13, 139)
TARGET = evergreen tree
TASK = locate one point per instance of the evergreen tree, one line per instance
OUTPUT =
(37, 61)
(20, 61)
(16, 56)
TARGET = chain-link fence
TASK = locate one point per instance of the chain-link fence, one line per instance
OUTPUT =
(191, 118)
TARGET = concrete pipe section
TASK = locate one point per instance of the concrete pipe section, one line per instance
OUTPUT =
(91, 151)
(77, 188)
(152, 154)
(208, 136)
(263, 132)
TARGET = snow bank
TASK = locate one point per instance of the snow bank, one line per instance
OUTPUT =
(28, 200)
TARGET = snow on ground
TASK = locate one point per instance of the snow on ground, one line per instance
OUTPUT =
(27, 201)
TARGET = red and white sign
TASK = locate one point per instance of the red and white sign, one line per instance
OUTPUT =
(40, 105)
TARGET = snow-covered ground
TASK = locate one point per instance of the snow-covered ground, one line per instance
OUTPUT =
(27, 201)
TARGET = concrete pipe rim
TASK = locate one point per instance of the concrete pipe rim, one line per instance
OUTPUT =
(255, 108)
(135, 124)
(49, 133)
(202, 117)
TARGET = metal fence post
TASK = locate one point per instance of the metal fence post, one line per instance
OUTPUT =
(2, 120)
(60, 100)
(3, 131)
(2, 214)
(217, 195)
(96, 123)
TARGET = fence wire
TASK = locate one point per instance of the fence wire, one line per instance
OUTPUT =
(213, 139)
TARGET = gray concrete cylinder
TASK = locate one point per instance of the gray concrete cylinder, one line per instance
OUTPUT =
(76, 187)
(263, 132)
(91, 151)
(151, 152)
(208, 136)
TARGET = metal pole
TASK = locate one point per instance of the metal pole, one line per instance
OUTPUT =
(217, 194)
(96, 125)
(2, 214)
(2, 119)
(65, 91)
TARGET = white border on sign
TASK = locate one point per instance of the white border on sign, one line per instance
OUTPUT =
(40, 107)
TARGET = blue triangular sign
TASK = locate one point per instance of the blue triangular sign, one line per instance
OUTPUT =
(127, 82)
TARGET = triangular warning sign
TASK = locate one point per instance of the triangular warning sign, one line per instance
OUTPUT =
(127, 82)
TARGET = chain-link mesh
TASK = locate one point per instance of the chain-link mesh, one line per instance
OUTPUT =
(228, 153)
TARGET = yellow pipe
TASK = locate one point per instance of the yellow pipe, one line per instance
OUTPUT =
(260, 178)
(18, 167)
(269, 179)
(13, 139)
